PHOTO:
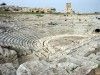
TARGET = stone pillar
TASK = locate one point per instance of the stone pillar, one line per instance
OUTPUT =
(69, 9)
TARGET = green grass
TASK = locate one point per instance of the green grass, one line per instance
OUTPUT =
(39, 15)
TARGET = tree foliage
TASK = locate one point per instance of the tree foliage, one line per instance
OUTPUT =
(3, 4)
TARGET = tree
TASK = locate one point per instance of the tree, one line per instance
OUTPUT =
(3, 4)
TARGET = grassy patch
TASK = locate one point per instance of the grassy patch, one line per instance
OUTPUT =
(5, 15)
(39, 15)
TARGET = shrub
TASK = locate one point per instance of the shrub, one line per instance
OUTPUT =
(39, 15)
(52, 23)
(3, 4)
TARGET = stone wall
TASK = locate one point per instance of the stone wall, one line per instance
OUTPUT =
(26, 9)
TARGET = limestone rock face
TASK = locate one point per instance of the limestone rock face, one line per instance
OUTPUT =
(7, 69)
(62, 68)
(8, 56)
(1, 51)
(33, 68)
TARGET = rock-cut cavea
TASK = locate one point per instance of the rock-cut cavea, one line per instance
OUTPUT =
(49, 43)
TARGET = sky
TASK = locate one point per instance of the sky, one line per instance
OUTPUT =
(77, 5)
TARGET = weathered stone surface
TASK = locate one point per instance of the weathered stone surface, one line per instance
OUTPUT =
(7, 69)
(62, 68)
(8, 56)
